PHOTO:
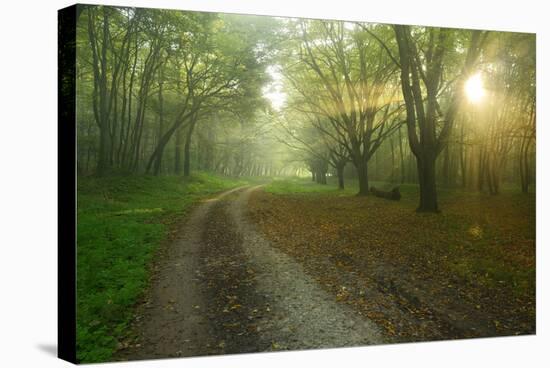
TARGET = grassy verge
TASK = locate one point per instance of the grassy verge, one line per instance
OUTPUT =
(121, 222)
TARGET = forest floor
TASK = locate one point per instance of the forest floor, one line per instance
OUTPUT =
(466, 272)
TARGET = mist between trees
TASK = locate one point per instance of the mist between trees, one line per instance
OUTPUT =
(168, 92)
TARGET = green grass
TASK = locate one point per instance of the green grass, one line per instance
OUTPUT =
(303, 185)
(121, 222)
(295, 185)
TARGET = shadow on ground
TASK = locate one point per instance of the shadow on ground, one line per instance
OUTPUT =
(50, 349)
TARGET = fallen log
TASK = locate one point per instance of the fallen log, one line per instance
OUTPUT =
(393, 194)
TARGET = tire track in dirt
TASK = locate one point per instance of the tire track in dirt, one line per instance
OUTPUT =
(302, 314)
(228, 282)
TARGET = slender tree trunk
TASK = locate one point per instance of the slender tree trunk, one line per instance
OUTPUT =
(524, 164)
(446, 166)
(156, 156)
(527, 166)
(401, 156)
(161, 117)
(392, 176)
(124, 157)
(187, 149)
(462, 156)
(178, 151)
(100, 95)
(482, 166)
(103, 159)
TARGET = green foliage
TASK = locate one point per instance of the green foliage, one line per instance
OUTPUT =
(144, 72)
(121, 222)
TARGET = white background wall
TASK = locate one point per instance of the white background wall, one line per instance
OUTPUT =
(28, 181)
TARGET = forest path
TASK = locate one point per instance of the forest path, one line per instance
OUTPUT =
(222, 288)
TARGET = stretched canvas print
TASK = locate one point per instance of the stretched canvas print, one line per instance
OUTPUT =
(253, 183)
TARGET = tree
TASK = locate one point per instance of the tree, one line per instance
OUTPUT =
(422, 75)
(217, 67)
(344, 77)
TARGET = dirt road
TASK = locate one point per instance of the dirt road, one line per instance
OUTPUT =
(222, 288)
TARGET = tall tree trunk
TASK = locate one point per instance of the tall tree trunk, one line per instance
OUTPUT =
(322, 177)
(392, 161)
(462, 157)
(183, 117)
(340, 173)
(426, 178)
(178, 151)
(524, 167)
(126, 141)
(363, 176)
(103, 159)
(187, 149)
(422, 106)
(161, 117)
(446, 166)
(401, 156)
(100, 94)
(481, 167)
